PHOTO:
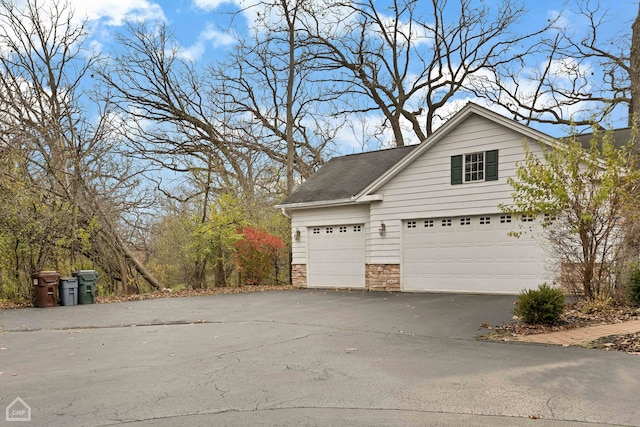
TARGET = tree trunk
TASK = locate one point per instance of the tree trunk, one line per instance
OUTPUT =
(587, 263)
(290, 88)
(112, 235)
(141, 269)
(124, 276)
(634, 107)
(220, 277)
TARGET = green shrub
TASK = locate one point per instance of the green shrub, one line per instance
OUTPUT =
(540, 306)
(633, 288)
(14, 292)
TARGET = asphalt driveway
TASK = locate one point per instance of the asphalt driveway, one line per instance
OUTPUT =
(306, 357)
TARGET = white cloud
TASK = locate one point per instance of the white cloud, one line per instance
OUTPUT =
(212, 4)
(360, 133)
(115, 12)
(209, 37)
(331, 17)
(561, 22)
(252, 10)
(417, 34)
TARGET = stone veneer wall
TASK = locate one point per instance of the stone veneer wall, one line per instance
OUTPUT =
(382, 277)
(299, 275)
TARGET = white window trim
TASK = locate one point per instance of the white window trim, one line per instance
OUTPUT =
(464, 167)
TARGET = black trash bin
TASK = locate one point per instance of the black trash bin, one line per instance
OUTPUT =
(86, 285)
(68, 291)
(46, 287)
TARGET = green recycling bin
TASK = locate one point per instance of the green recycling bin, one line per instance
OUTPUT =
(86, 285)
(46, 287)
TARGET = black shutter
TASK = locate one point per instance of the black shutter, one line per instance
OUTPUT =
(456, 170)
(491, 165)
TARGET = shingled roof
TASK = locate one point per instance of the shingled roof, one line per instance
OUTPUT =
(620, 137)
(345, 176)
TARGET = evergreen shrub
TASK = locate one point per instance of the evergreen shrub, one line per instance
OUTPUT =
(540, 306)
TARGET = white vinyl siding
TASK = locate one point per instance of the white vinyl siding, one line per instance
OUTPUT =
(423, 189)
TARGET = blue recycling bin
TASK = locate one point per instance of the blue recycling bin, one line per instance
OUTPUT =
(68, 291)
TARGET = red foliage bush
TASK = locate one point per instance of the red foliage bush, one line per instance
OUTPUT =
(257, 254)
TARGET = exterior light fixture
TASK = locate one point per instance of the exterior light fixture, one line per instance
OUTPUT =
(296, 235)
(382, 229)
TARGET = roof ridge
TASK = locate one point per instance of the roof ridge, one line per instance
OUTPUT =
(376, 151)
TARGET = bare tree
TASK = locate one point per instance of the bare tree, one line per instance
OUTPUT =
(409, 61)
(177, 120)
(273, 83)
(587, 78)
(67, 157)
(175, 114)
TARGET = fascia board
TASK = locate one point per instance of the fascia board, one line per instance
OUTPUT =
(317, 204)
(328, 203)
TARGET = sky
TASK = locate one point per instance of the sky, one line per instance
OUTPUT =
(200, 25)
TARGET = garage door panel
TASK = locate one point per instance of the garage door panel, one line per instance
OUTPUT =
(474, 254)
(336, 256)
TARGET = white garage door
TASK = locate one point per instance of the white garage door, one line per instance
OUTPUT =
(336, 256)
(471, 254)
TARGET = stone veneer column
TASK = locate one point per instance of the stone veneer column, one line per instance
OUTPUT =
(382, 277)
(299, 275)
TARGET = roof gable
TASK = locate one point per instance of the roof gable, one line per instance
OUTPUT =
(440, 133)
(352, 178)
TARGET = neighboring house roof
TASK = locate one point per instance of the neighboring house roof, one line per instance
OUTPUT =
(344, 177)
(620, 137)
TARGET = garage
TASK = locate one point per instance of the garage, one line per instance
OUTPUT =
(434, 210)
(336, 256)
(471, 254)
